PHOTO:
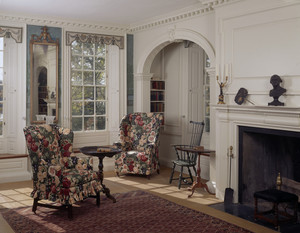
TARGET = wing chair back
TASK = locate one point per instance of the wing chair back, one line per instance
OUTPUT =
(58, 174)
(137, 130)
(139, 138)
(47, 144)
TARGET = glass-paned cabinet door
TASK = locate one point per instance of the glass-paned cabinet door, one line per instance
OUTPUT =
(206, 86)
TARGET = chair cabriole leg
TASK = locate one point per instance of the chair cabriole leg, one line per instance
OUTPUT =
(35, 204)
(98, 198)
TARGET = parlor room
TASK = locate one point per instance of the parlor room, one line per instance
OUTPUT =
(149, 116)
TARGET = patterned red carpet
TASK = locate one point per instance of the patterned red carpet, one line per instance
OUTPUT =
(135, 211)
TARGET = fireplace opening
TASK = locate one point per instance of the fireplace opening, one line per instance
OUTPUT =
(262, 154)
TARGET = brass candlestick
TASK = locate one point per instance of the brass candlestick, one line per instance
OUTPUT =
(278, 181)
(221, 84)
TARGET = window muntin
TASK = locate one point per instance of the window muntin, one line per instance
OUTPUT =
(89, 86)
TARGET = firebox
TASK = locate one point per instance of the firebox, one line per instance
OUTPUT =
(263, 153)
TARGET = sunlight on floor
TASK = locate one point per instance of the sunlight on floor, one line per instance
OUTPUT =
(169, 190)
(15, 198)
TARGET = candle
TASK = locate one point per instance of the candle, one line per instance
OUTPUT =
(226, 70)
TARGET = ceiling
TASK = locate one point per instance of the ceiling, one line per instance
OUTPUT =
(122, 12)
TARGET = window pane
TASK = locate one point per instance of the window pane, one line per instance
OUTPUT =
(88, 108)
(88, 78)
(1, 75)
(100, 78)
(100, 108)
(76, 78)
(100, 63)
(76, 93)
(76, 62)
(77, 123)
(88, 63)
(100, 123)
(1, 43)
(1, 111)
(76, 48)
(1, 58)
(100, 93)
(88, 49)
(89, 123)
(100, 50)
(1, 93)
(89, 93)
(77, 108)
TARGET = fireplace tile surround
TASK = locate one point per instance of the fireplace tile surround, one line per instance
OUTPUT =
(229, 118)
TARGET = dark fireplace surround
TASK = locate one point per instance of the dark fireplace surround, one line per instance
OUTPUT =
(262, 154)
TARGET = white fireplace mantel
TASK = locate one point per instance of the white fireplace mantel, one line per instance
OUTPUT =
(228, 120)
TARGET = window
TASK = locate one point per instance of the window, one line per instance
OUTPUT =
(1, 83)
(89, 86)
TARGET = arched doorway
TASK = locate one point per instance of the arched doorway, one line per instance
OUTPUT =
(175, 129)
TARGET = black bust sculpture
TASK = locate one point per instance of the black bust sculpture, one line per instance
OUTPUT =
(277, 90)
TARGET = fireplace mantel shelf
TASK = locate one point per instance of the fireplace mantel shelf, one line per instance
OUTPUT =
(258, 109)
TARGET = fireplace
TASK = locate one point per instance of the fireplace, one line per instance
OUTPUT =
(265, 141)
(263, 153)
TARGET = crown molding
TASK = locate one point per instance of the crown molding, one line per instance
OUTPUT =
(64, 23)
(205, 7)
(170, 19)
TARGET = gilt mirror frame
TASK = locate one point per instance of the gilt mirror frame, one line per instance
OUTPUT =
(48, 95)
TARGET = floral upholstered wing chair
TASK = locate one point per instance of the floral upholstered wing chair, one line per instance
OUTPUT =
(58, 175)
(139, 141)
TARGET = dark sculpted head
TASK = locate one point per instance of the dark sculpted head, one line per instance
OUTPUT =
(275, 80)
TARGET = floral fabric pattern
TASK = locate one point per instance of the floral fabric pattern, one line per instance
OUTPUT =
(58, 175)
(139, 141)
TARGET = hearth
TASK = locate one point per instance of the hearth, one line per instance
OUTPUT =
(264, 152)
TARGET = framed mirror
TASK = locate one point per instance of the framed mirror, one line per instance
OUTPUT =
(43, 77)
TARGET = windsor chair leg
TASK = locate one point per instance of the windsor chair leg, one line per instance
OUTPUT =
(180, 177)
(171, 178)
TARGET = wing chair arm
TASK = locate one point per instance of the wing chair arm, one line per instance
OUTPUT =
(79, 163)
(149, 148)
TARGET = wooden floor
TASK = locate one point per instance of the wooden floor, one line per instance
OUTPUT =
(13, 195)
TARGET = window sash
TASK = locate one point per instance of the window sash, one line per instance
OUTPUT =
(92, 109)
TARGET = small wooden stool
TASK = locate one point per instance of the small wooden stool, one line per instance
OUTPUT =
(276, 197)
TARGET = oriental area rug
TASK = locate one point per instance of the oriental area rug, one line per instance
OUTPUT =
(135, 211)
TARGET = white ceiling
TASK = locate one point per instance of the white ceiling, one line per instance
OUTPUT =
(122, 12)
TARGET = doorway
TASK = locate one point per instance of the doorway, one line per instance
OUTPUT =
(182, 66)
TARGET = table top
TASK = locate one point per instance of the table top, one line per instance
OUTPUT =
(198, 150)
(100, 151)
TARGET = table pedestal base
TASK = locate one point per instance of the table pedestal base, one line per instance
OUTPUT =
(106, 191)
(198, 184)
